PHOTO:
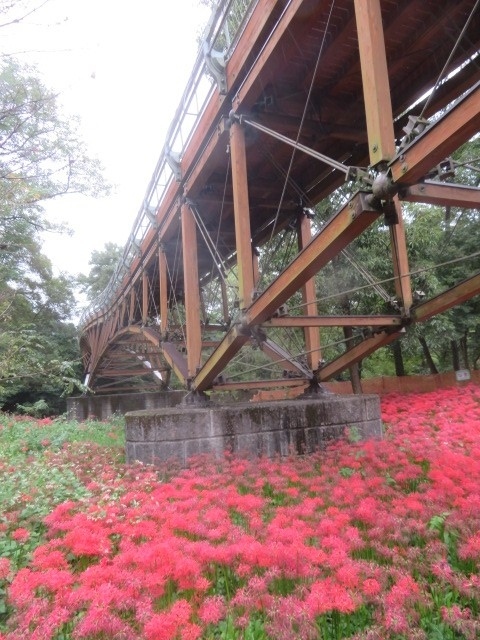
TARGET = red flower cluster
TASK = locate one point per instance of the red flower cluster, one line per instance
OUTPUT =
(365, 540)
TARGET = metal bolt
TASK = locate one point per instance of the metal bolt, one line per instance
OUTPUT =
(375, 148)
(404, 168)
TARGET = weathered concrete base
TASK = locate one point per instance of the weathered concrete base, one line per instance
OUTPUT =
(260, 429)
(102, 407)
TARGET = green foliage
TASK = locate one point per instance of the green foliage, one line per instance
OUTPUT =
(227, 630)
(102, 263)
(37, 367)
(41, 157)
(32, 483)
(335, 625)
(19, 437)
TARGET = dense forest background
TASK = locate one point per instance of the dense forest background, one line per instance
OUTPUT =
(42, 157)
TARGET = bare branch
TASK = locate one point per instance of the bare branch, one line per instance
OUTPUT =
(26, 15)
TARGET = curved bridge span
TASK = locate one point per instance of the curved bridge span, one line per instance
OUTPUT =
(290, 102)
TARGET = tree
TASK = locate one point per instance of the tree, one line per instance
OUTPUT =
(41, 154)
(41, 157)
(103, 263)
(39, 356)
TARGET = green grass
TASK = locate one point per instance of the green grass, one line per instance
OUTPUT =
(39, 470)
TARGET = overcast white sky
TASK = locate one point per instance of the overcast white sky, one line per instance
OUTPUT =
(121, 65)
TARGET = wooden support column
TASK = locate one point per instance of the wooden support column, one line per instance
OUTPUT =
(116, 320)
(312, 335)
(241, 206)
(401, 270)
(144, 297)
(131, 310)
(381, 136)
(163, 303)
(192, 290)
(110, 324)
(225, 310)
(123, 308)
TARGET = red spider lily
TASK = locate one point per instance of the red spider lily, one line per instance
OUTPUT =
(369, 536)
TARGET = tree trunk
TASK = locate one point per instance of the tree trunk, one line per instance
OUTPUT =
(398, 359)
(464, 350)
(455, 355)
(355, 368)
(427, 355)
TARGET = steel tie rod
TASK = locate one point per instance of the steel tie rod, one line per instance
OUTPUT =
(296, 145)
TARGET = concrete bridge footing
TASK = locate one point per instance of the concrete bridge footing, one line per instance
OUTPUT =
(268, 429)
(101, 407)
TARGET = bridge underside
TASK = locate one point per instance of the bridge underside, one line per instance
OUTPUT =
(314, 100)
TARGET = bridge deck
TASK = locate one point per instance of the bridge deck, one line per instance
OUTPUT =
(232, 183)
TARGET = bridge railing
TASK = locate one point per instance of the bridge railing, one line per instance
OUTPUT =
(218, 43)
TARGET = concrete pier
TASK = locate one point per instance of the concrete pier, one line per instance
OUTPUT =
(102, 407)
(268, 429)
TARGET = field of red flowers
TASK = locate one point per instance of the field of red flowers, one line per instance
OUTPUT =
(369, 540)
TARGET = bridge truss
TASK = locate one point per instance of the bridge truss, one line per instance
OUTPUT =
(288, 101)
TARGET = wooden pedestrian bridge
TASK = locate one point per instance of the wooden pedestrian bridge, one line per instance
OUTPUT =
(291, 104)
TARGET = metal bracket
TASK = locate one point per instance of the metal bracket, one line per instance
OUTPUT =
(137, 249)
(281, 312)
(150, 214)
(358, 174)
(412, 129)
(215, 62)
(442, 171)
(173, 161)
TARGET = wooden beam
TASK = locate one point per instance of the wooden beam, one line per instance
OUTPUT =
(376, 87)
(451, 297)
(131, 308)
(230, 345)
(443, 194)
(333, 321)
(123, 373)
(381, 134)
(176, 361)
(214, 149)
(439, 140)
(243, 237)
(309, 296)
(192, 290)
(357, 353)
(163, 281)
(144, 297)
(401, 270)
